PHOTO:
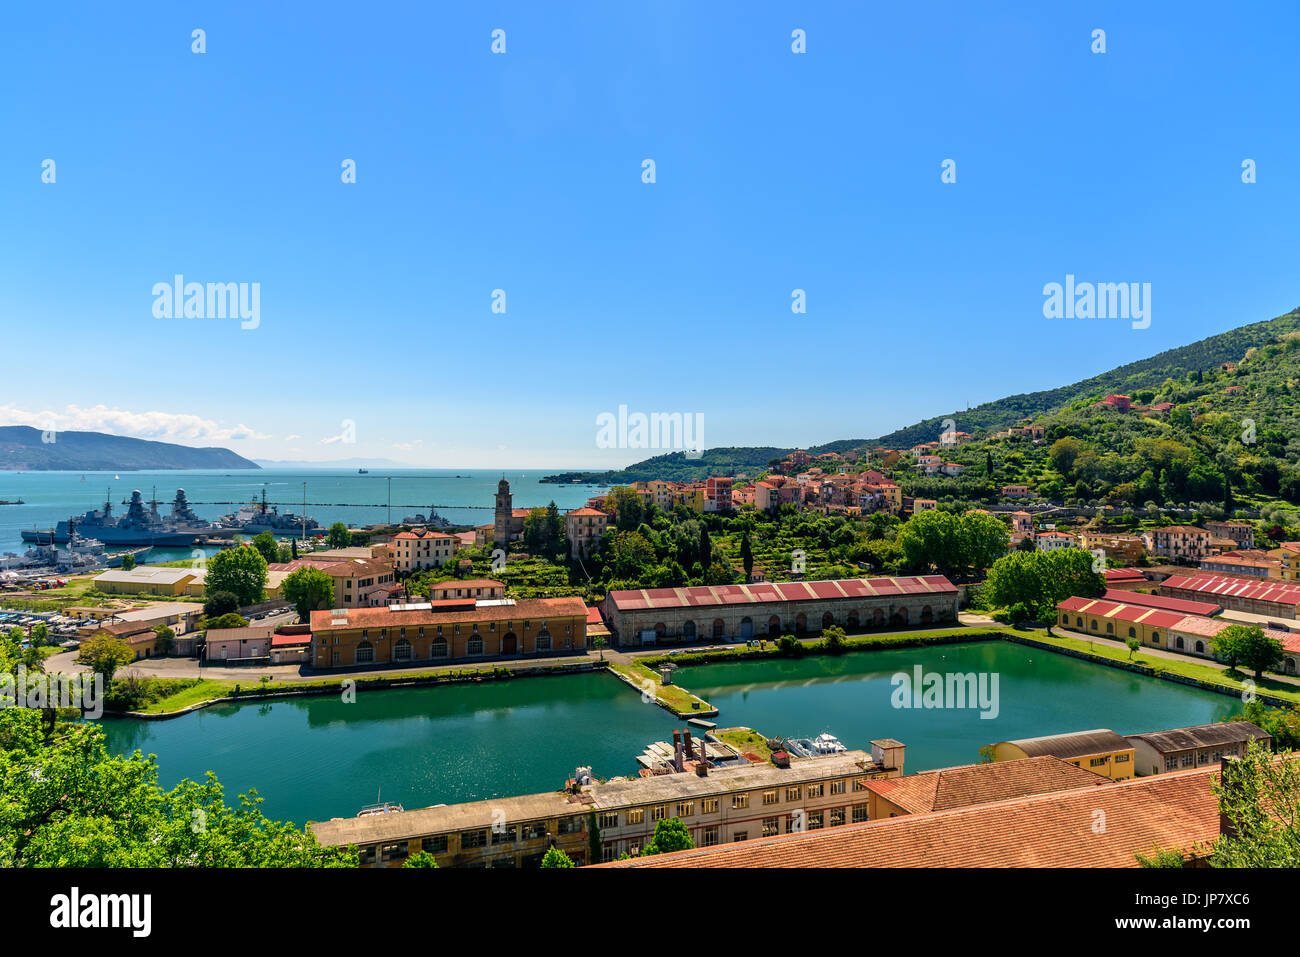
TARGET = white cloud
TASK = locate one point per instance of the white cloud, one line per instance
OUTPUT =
(159, 426)
(408, 446)
(291, 438)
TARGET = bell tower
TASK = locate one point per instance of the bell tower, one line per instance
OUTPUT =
(504, 512)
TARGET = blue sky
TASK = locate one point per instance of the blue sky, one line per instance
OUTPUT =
(775, 171)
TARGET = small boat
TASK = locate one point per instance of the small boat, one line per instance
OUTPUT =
(380, 806)
(363, 471)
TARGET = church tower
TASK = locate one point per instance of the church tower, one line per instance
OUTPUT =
(504, 512)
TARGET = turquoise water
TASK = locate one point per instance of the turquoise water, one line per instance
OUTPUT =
(315, 758)
(50, 497)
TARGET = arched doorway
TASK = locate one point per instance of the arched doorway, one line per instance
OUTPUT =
(688, 631)
(719, 628)
(827, 620)
(853, 618)
(800, 623)
(774, 625)
(746, 629)
(877, 619)
(543, 641)
(899, 617)
(1290, 666)
(365, 653)
(927, 615)
(510, 644)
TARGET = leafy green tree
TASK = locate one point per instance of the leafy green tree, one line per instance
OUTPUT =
(670, 835)
(1133, 646)
(105, 654)
(128, 562)
(265, 543)
(310, 589)
(421, 859)
(554, 857)
(166, 639)
(241, 571)
(1040, 580)
(1259, 798)
(338, 536)
(220, 603)
(40, 633)
(629, 509)
(1257, 651)
(229, 620)
(747, 556)
(69, 803)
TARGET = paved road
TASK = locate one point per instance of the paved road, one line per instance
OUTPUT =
(1161, 653)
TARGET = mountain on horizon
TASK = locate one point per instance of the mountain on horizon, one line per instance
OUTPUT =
(1204, 354)
(23, 448)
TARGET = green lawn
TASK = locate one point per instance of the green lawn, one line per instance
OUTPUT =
(679, 700)
(745, 739)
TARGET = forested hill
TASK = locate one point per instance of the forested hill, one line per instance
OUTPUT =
(22, 447)
(1144, 375)
(1149, 373)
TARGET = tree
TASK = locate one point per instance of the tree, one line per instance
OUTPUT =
(421, 859)
(1040, 580)
(1259, 798)
(40, 633)
(670, 835)
(220, 603)
(265, 543)
(706, 547)
(338, 536)
(241, 571)
(1133, 645)
(105, 654)
(166, 639)
(128, 562)
(628, 507)
(598, 642)
(554, 857)
(69, 803)
(1257, 651)
(310, 589)
(747, 556)
(1227, 644)
(230, 620)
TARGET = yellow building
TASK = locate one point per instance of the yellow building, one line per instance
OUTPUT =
(1118, 621)
(1100, 751)
(146, 580)
(1288, 553)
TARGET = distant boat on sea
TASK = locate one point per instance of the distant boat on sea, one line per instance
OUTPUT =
(363, 471)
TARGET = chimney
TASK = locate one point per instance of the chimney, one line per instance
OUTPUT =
(702, 768)
(690, 751)
(677, 751)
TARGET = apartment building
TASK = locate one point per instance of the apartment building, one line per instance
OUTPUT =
(423, 548)
(1242, 533)
(584, 527)
(720, 806)
(1186, 542)
(1120, 548)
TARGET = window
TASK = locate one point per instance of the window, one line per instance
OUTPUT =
(837, 816)
(709, 806)
(474, 646)
(837, 787)
(365, 653)
(393, 852)
(770, 797)
(794, 793)
(659, 812)
(859, 813)
(739, 801)
(739, 836)
(402, 651)
(570, 825)
(435, 845)
(816, 790)
(439, 648)
(1189, 760)
(859, 784)
(709, 837)
(470, 839)
(636, 815)
(1121, 758)
(534, 831)
(503, 835)
(816, 820)
(771, 826)
(1097, 762)
(1171, 764)
(608, 819)
(686, 809)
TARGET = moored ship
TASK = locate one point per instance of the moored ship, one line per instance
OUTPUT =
(257, 517)
(139, 526)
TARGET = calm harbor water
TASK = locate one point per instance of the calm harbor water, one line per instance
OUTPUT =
(51, 497)
(315, 758)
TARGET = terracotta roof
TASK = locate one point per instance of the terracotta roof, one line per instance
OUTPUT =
(468, 583)
(982, 784)
(1167, 811)
(707, 595)
(586, 511)
(1124, 575)
(1182, 605)
(384, 617)
(1236, 587)
(1181, 530)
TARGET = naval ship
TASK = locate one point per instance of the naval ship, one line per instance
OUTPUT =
(256, 517)
(139, 526)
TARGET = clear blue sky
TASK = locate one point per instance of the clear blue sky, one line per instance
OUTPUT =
(522, 171)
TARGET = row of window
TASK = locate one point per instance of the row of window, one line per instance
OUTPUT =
(796, 822)
(739, 801)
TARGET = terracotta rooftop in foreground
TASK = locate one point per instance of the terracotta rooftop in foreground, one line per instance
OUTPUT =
(1175, 811)
(973, 784)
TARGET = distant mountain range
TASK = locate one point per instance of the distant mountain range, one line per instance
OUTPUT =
(1206, 354)
(25, 448)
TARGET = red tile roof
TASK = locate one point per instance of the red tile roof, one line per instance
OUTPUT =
(1122, 612)
(1124, 575)
(974, 784)
(1176, 811)
(1236, 588)
(1181, 605)
(384, 617)
(708, 595)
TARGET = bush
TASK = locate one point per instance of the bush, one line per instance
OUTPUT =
(220, 603)
(789, 646)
